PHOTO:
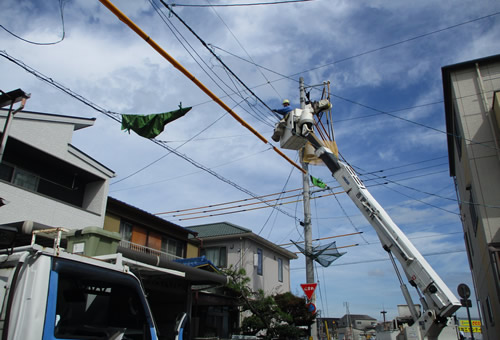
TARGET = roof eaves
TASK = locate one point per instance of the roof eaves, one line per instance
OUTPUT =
(148, 215)
(78, 122)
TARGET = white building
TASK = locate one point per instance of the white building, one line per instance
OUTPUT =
(45, 179)
(472, 105)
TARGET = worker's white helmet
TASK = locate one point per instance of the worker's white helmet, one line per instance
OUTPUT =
(286, 101)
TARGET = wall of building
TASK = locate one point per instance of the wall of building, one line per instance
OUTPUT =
(268, 281)
(192, 251)
(477, 169)
(25, 205)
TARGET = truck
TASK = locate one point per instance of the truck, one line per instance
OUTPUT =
(437, 300)
(48, 293)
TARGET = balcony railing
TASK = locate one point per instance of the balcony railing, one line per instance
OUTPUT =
(147, 250)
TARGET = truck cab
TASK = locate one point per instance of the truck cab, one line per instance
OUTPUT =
(47, 293)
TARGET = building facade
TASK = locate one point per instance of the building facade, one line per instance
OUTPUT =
(356, 327)
(266, 264)
(158, 242)
(44, 179)
(471, 95)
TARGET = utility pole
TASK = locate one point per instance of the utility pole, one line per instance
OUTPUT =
(307, 215)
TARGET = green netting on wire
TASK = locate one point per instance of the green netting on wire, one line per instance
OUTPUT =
(324, 254)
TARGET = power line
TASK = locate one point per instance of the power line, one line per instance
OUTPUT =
(165, 155)
(400, 42)
(244, 4)
(114, 116)
(171, 27)
(215, 55)
(192, 173)
(225, 203)
(402, 166)
(61, 9)
(243, 48)
(257, 208)
(337, 264)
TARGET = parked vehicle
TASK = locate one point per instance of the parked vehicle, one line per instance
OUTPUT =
(48, 293)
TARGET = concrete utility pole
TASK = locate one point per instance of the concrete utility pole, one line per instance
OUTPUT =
(307, 215)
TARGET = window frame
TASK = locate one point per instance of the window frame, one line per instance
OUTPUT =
(280, 269)
(126, 230)
(222, 255)
(260, 262)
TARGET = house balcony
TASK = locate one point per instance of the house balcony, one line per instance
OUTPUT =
(147, 251)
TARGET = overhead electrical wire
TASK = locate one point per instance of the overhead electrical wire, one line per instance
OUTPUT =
(173, 29)
(338, 264)
(400, 42)
(280, 197)
(115, 116)
(192, 173)
(292, 190)
(122, 17)
(413, 198)
(243, 4)
(268, 205)
(225, 203)
(243, 48)
(165, 155)
(61, 9)
(214, 54)
(371, 51)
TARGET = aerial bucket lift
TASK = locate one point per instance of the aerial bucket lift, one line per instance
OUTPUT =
(437, 300)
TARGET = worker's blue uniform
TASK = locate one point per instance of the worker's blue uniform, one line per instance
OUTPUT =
(284, 110)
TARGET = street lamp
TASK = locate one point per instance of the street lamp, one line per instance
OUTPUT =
(10, 98)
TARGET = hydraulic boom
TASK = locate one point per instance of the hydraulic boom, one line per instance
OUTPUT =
(438, 302)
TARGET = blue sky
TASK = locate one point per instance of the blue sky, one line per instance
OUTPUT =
(383, 59)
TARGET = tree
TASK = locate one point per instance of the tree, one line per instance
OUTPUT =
(275, 317)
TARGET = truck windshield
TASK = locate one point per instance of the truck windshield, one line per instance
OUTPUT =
(103, 308)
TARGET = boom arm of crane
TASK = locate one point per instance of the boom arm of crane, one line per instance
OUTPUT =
(437, 301)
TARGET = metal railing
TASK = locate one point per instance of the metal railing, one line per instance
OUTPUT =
(147, 250)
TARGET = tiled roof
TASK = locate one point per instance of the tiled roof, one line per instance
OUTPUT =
(218, 229)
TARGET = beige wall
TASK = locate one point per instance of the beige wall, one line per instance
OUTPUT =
(192, 251)
(112, 223)
(478, 176)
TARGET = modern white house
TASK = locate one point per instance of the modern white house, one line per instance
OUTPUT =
(266, 264)
(472, 108)
(46, 180)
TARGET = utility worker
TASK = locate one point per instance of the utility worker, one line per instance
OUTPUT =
(285, 109)
(280, 127)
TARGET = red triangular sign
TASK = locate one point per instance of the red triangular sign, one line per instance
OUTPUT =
(308, 289)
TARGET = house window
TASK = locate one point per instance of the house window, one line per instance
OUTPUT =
(6, 172)
(473, 213)
(490, 312)
(216, 255)
(172, 247)
(495, 265)
(259, 261)
(25, 179)
(280, 270)
(469, 248)
(126, 230)
(457, 135)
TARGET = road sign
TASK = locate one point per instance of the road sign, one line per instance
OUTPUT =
(463, 291)
(309, 289)
(311, 307)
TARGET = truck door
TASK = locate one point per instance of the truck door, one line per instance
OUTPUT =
(91, 302)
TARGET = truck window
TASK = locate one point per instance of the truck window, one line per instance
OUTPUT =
(103, 307)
